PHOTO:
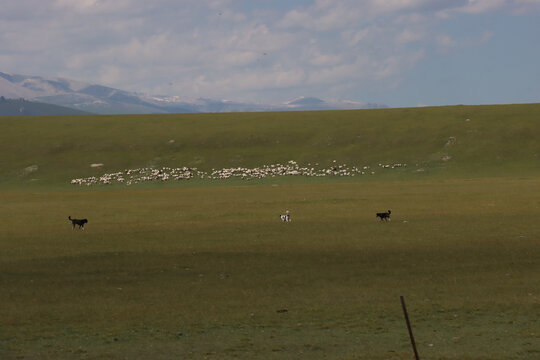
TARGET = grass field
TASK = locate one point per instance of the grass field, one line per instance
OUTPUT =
(475, 140)
(199, 269)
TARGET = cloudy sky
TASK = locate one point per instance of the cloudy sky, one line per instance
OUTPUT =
(393, 52)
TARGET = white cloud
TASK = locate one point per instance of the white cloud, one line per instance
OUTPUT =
(228, 51)
(415, 5)
(323, 16)
(79, 5)
(409, 36)
(319, 59)
(240, 81)
(110, 74)
(94, 7)
(354, 37)
(517, 7)
(239, 58)
(446, 43)
(482, 6)
(524, 7)
(221, 48)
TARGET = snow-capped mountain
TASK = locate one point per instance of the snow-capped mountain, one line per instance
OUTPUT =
(106, 100)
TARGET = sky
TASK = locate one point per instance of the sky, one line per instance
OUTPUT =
(398, 53)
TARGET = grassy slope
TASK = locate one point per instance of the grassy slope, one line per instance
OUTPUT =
(198, 272)
(496, 140)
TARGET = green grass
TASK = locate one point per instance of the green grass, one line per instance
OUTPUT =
(198, 269)
(497, 140)
(200, 272)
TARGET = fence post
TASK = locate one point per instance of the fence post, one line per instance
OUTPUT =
(409, 327)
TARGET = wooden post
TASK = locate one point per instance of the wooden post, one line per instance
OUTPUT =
(409, 328)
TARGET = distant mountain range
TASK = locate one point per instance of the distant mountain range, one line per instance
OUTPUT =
(22, 107)
(98, 99)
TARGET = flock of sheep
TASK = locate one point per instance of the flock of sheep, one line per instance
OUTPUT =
(134, 176)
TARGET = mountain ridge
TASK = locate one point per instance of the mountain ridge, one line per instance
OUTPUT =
(22, 107)
(100, 99)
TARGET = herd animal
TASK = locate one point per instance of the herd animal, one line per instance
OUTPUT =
(384, 215)
(291, 168)
(78, 222)
(284, 217)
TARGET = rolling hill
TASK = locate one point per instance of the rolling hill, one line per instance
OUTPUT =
(204, 268)
(450, 141)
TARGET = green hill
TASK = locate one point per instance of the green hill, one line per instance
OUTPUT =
(22, 107)
(194, 270)
(433, 141)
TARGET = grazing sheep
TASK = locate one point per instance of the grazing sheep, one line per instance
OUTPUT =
(134, 176)
(384, 216)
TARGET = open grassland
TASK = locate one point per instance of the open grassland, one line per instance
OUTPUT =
(200, 273)
(198, 269)
(442, 141)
